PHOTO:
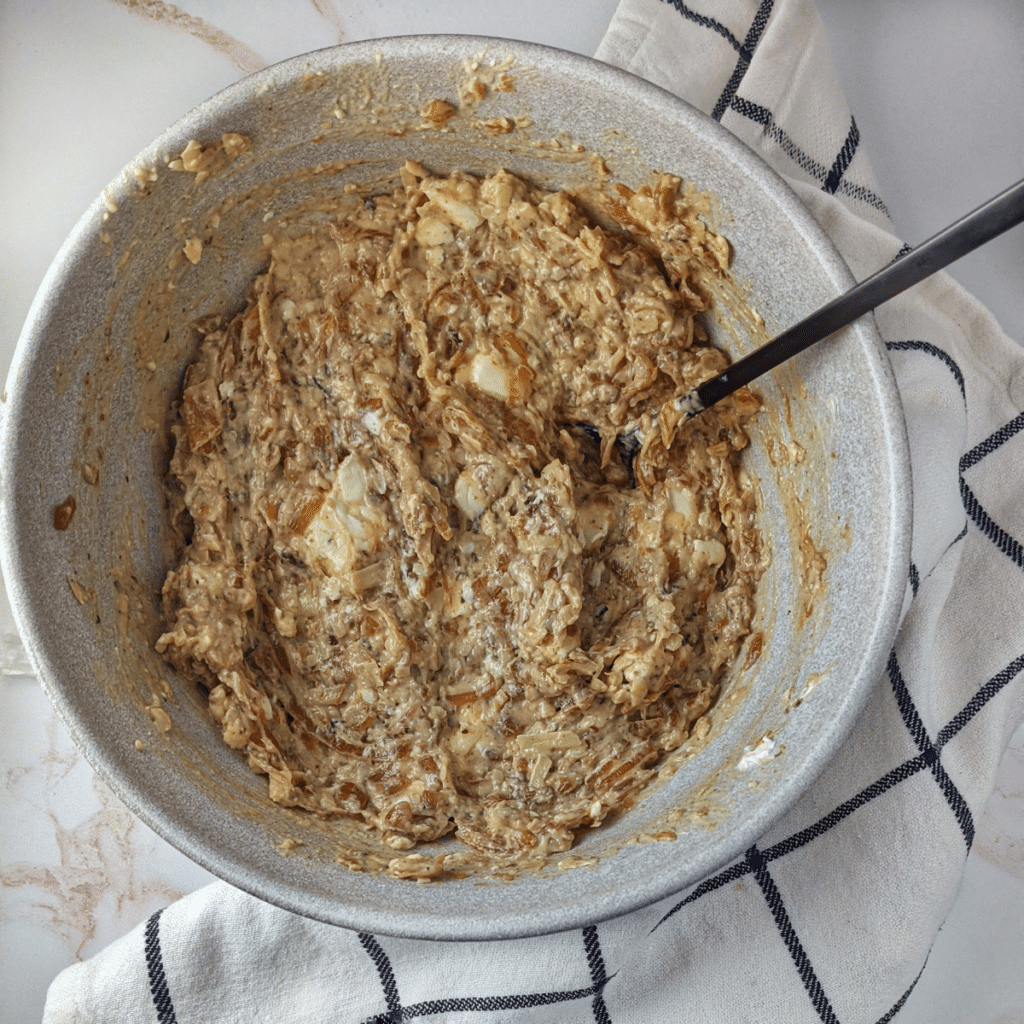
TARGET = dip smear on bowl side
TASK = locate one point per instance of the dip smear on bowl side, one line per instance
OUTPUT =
(419, 595)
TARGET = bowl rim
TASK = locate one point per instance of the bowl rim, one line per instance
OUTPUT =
(392, 920)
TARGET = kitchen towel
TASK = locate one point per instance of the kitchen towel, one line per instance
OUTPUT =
(831, 914)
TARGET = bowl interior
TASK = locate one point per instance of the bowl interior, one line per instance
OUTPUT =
(103, 355)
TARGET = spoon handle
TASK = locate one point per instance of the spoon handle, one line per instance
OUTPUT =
(988, 221)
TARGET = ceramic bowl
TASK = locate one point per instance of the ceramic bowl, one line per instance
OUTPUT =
(102, 356)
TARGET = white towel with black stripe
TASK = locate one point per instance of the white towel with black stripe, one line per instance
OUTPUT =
(830, 916)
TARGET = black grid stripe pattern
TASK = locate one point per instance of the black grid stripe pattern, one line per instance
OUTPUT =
(1009, 546)
(995, 533)
(598, 973)
(864, 194)
(712, 23)
(842, 160)
(483, 1004)
(730, 874)
(890, 779)
(930, 752)
(832, 177)
(755, 862)
(992, 443)
(397, 1013)
(979, 700)
(762, 116)
(746, 55)
(799, 839)
(158, 988)
(801, 960)
(387, 978)
(932, 350)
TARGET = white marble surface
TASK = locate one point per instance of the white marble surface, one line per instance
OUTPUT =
(937, 87)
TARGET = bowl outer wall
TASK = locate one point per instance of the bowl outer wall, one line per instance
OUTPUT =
(492, 912)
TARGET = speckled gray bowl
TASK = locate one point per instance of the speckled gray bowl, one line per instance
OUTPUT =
(102, 355)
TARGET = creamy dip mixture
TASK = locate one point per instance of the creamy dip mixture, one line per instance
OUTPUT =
(422, 587)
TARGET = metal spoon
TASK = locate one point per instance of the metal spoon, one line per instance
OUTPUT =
(988, 221)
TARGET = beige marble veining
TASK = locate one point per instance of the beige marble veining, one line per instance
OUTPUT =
(327, 11)
(76, 861)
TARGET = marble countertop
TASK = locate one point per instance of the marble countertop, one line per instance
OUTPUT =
(937, 88)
